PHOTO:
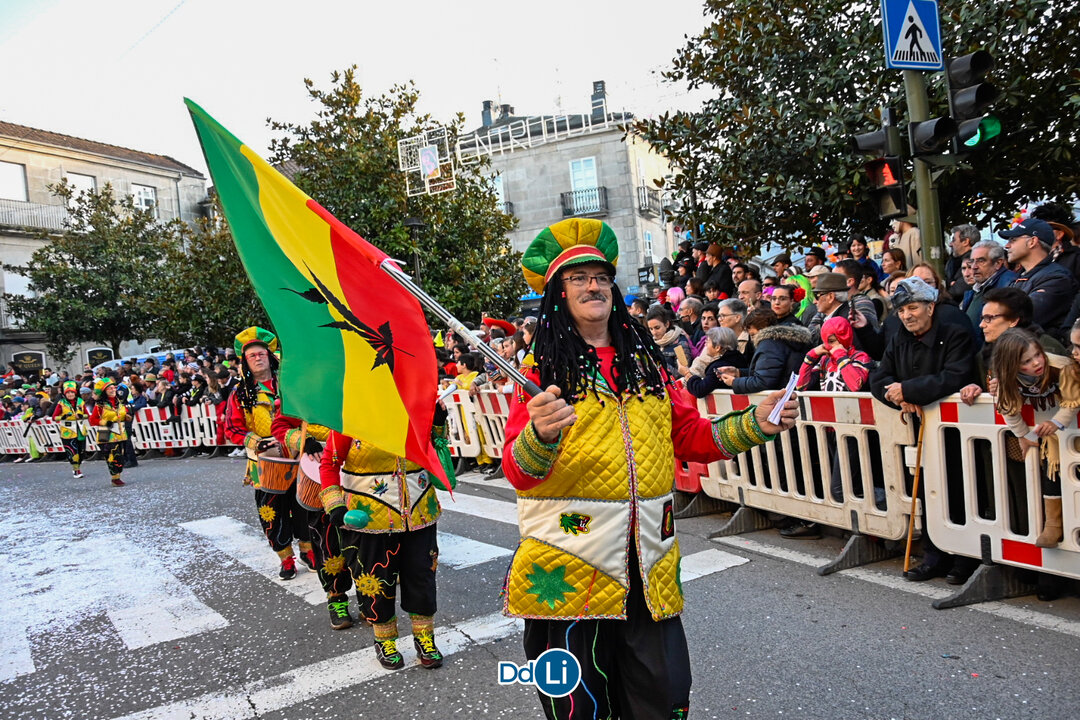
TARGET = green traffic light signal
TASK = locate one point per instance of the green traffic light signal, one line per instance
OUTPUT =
(989, 127)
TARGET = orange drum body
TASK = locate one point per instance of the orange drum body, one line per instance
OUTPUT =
(277, 474)
(307, 485)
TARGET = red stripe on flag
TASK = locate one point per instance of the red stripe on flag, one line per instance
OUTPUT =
(739, 402)
(1020, 552)
(866, 411)
(822, 409)
(950, 413)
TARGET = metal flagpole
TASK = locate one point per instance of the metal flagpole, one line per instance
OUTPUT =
(460, 330)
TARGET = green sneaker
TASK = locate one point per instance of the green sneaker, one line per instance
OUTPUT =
(339, 614)
(387, 653)
(429, 655)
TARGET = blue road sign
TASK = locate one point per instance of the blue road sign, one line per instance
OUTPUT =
(912, 34)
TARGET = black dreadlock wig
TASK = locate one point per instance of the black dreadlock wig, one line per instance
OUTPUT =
(564, 358)
(247, 390)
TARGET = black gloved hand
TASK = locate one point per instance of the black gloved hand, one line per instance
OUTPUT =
(312, 446)
(337, 516)
(265, 445)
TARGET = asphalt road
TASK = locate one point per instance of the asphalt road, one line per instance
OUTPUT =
(160, 600)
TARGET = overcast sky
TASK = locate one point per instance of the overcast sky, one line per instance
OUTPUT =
(116, 70)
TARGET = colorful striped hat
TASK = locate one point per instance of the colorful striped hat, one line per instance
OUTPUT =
(257, 335)
(569, 242)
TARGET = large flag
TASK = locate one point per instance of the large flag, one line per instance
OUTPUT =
(356, 352)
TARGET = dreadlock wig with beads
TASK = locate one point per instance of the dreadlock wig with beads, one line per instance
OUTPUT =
(564, 359)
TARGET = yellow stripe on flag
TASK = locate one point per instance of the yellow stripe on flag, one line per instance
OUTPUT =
(304, 237)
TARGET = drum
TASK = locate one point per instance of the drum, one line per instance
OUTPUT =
(307, 485)
(277, 474)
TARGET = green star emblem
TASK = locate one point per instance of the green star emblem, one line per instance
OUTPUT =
(549, 587)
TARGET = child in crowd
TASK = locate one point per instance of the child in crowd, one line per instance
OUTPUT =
(1026, 375)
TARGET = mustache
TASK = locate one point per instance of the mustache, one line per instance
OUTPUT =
(590, 296)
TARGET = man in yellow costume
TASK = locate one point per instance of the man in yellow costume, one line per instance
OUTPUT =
(597, 571)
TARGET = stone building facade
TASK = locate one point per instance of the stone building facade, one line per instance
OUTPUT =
(30, 161)
(550, 167)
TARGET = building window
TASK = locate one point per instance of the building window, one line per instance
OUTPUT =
(648, 246)
(82, 183)
(13, 181)
(145, 197)
(583, 174)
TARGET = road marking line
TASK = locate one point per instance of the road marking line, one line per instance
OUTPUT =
(481, 480)
(996, 608)
(326, 676)
(487, 508)
(15, 657)
(248, 546)
(707, 562)
(93, 577)
(461, 552)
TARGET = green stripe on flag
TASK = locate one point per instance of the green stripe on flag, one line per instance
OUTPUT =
(312, 362)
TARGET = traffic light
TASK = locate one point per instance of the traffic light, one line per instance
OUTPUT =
(969, 97)
(887, 190)
(885, 172)
(930, 136)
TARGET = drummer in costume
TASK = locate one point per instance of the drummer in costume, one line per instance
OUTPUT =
(597, 571)
(389, 541)
(109, 418)
(248, 420)
(69, 413)
(325, 544)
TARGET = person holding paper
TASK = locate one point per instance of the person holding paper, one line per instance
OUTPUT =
(592, 460)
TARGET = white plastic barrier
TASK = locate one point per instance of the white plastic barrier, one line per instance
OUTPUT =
(12, 440)
(461, 433)
(847, 436)
(492, 408)
(46, 434)
(153, 429)
(981, 504)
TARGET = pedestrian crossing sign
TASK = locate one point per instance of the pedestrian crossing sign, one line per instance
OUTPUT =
(912, 34)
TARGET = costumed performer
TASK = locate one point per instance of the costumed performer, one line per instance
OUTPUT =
(109, 418)
(69, 413)
(248, 421)
(597, 570)
(390, 540)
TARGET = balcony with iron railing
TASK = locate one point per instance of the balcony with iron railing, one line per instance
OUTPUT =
(648, 201)
(584, 203)
(32, 216)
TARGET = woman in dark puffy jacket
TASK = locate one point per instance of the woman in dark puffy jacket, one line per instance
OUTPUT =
(778, 352)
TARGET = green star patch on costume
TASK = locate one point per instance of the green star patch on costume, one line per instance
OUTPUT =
(549, 587)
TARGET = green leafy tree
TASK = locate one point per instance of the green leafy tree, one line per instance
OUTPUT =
(346, 159)
(206, 296)
(96, 280)
(788, 82)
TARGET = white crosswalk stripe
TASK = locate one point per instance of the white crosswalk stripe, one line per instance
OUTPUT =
(91, 576)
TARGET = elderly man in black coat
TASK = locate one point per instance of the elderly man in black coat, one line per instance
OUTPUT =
(924, 361)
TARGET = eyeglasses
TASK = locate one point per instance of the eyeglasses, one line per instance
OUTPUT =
(984, 319)
(581, 280)
(779, 298)
(724, 316)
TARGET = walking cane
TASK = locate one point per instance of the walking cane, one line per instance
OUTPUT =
(914, 489)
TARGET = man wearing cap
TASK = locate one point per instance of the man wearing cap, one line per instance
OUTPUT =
(70, 413)
(1063, 252)
(592, 460)
(1050, 286)
(248, 420)
(926, 360)
(697, 254)
(831, 300)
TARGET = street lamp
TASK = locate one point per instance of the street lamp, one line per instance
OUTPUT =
(416, 226)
